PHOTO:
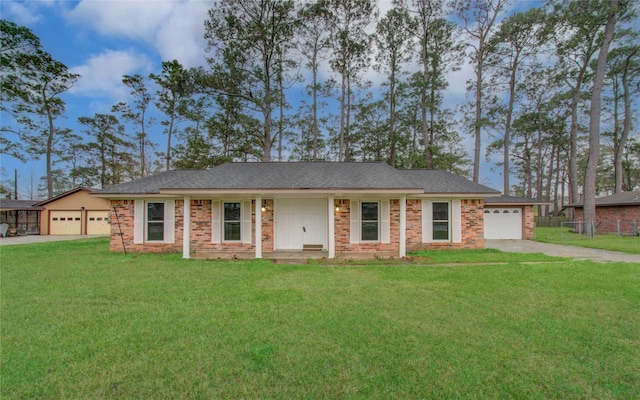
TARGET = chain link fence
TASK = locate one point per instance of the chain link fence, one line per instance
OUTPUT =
(609, 227)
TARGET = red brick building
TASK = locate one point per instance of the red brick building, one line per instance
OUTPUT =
(260, 209)
(620, 211)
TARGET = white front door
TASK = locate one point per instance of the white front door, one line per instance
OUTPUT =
(299, 222)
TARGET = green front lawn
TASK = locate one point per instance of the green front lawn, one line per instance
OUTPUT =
(80, 322)
(626, 244)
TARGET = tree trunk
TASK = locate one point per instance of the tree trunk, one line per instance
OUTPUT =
(169, 133)
(315, 110)
(626, 127)
(478, 118)
(392, 116)
(50, 154)
(507, 127)
(342, 117)
(347, 124)
(594, 123)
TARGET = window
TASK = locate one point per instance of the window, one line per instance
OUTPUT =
(232, 221)
(370, 221)
(155, 221)
(440, 221)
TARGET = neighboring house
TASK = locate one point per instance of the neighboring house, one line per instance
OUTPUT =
(75, 213)
(614, 212)
(338, 208)
(509, 217)
(22, 216)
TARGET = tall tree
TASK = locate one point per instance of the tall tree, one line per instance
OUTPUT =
(313, 44)
(393, 51)
(515, 44)
(623, 74)
(246, 36)
(479, 18)
(349, 20)
(109, 149)
(577, 36)
(138, 115)
(612, 12)
(15, 42)
(172, 98)
(37, 81)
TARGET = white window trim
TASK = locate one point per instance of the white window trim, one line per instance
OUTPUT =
(384, 221)
(140, 221)
(449, 213)
(455, 221)
(217, 221)
(223, 221)
(361, 221)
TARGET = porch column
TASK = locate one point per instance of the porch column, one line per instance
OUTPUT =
(403, 226)
(258, 226)
(332, 227)
(186, 228)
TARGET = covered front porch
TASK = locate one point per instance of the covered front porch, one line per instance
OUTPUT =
(294, 226)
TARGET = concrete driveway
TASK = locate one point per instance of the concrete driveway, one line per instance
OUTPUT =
(578, 253)
(10, 240)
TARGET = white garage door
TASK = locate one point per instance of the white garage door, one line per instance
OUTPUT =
(98, 223)
(65, 223)
(503, 223)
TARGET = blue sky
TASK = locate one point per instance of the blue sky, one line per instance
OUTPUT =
(103, 40)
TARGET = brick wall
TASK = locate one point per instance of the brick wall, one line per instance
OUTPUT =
(343, 230)
(125, 210)
(472, 217)
(414, 224)
(529, 223)
(472, 229)
(607, 217)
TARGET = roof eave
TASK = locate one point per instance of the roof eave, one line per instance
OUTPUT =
(475, 195)
(200, 192)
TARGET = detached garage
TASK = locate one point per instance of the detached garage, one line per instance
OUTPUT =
(75, 213)
(503, 223)
(508, 217)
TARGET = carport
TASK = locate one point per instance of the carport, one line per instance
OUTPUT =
(22, 216)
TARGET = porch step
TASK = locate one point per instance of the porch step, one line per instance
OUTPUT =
(312, 247)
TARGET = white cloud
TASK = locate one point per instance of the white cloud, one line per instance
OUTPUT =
(181, 36)
(102, 74)
(174, 29)
(20, 13)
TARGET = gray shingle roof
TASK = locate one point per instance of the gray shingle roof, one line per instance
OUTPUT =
(152, 184)
(513, 200)
(618, 199)
(302, 175)
(437, 181)
(10, 204)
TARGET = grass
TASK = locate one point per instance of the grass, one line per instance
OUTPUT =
(80, 322)
(438, 258)
(626, 244)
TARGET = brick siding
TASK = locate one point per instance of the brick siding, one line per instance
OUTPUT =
(607, 217)
(472, 228)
